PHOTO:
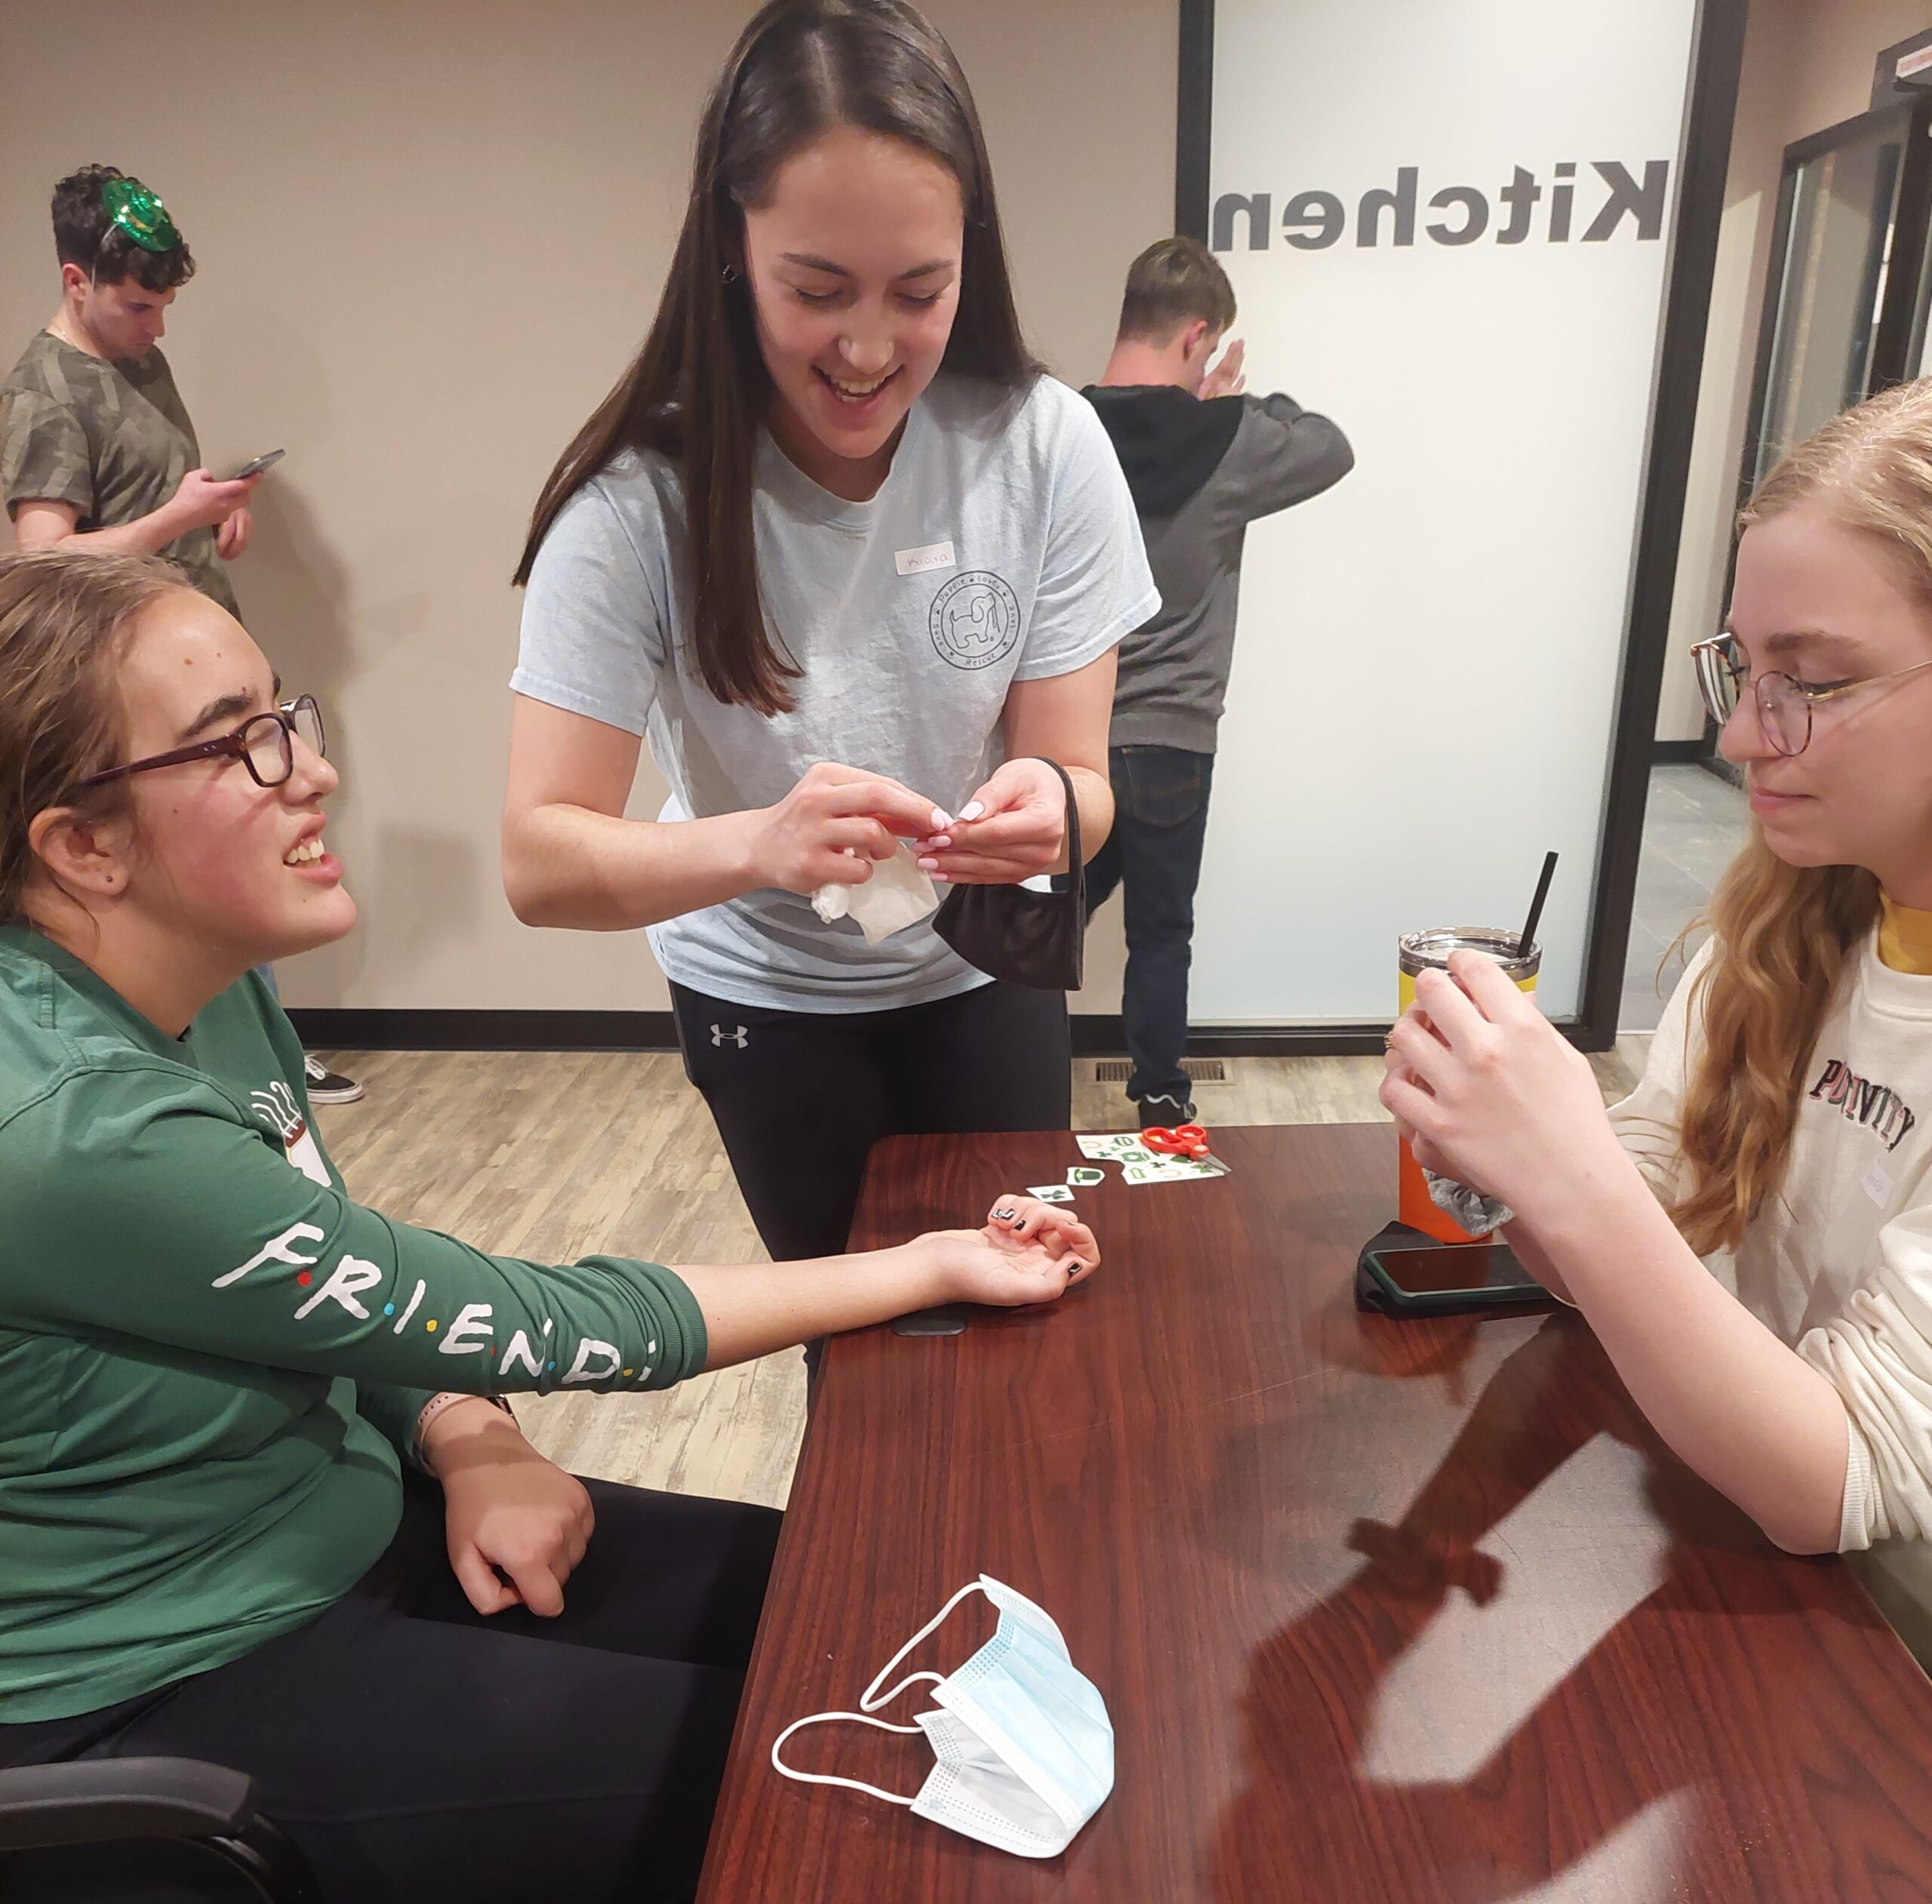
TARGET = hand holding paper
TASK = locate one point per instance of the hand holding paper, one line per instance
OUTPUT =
(1228, 378)
(897, 895)
(831, 826)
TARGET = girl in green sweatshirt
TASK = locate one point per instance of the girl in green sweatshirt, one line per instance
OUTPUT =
(260, 1501)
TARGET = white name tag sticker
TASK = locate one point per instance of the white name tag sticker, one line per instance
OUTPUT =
(1878, 1185)
(923, 562)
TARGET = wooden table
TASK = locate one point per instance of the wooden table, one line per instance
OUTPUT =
(1380, 1610)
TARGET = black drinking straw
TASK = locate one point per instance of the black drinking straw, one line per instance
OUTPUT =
(1536, 904)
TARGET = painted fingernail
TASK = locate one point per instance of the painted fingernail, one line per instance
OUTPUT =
(940, 822)
(972, 810)
(929, 866)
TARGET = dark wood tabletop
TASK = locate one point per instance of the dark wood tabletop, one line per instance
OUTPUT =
(1381, 1610)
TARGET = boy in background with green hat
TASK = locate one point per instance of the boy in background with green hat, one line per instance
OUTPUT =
(96, 450)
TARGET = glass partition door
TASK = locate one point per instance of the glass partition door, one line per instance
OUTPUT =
(1831, 273)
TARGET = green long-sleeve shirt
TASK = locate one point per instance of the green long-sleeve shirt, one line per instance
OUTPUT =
(210, 1356)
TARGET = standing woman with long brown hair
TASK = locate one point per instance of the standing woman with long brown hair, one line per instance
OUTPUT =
(857, 568)
(1783, 1131)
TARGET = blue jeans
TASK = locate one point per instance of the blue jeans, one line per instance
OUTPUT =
(1154, 854)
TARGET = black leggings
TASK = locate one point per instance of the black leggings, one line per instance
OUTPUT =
(800, 1097)
(413, 1750)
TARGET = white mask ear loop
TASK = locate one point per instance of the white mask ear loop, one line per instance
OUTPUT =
(869, 1703)
(872, 1699)
(826, 1778)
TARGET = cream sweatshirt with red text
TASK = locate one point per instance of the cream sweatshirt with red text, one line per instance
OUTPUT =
(1839, 1263)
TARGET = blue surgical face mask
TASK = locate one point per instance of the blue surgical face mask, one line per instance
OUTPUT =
(1022, 1746)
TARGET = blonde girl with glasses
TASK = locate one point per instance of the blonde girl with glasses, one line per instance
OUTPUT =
(1750, 1232)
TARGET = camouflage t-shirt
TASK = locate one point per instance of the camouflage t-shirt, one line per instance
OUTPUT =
(113, 440)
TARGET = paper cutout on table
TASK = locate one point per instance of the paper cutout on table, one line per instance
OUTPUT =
(1114, 1146)
(898, 895)
(1173, 1170)
(1051, 1193)
(1081, 1175)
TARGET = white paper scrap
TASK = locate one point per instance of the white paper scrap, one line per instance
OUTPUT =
(898, 895)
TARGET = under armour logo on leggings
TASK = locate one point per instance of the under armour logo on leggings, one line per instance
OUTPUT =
(740, 1037)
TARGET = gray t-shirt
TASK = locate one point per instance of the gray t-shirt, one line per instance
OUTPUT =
(1003, 547)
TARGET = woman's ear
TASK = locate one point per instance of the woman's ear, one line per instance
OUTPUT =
(87, 858)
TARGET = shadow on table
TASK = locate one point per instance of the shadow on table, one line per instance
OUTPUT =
(1398, 1741)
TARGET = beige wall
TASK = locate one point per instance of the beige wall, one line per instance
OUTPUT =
(428, 236)
(1807, 65)
(1834, 44)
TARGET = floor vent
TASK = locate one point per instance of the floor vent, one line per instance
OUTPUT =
(1203, 1071)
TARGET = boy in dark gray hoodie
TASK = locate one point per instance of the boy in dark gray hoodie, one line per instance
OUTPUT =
(1203, 462)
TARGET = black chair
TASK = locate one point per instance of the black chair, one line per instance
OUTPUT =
(90, 1805)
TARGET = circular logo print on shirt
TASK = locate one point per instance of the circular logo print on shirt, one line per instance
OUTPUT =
(975, 620)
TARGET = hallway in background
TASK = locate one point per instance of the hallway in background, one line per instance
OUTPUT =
(1694, 824)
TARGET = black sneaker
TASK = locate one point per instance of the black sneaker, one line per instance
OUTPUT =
(327, 1086)
(1158, 1111)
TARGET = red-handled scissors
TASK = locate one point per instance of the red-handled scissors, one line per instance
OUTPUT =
(1183, 1140)
(1188, 1140)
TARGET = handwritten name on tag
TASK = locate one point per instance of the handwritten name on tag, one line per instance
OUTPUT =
(923, 562)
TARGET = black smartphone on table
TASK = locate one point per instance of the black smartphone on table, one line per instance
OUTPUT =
(1402, 1278)
(945, 1319)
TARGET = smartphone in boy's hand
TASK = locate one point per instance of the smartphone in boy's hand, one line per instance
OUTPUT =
(254, 468)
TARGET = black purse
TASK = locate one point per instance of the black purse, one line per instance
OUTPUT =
(1025, 938)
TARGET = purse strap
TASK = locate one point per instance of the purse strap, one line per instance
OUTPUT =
(1076, 863)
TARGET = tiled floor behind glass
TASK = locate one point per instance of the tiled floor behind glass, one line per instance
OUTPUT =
(1694, 824)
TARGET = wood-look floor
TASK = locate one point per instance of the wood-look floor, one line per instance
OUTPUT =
(552, 1156)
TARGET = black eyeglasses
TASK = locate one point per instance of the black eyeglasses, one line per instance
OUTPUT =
(264, 743)
(1784, 705)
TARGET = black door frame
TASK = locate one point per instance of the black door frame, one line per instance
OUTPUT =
(1716, 56)
(1898, 305)
(1899, 300)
